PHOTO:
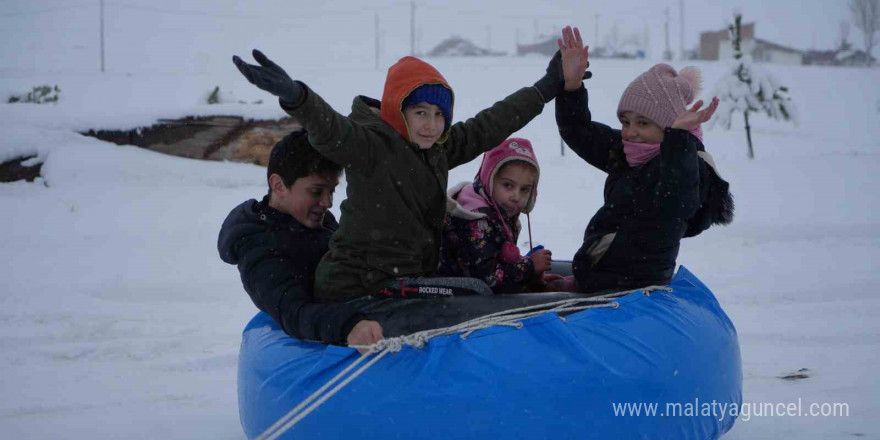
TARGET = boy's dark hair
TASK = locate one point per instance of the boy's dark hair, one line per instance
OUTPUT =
(293, 157)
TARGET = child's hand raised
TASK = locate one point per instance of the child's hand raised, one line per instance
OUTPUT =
(270, 77)
(541, 260)
(693, 117)
(575, 57)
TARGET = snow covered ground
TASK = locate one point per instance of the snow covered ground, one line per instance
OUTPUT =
(118, 319)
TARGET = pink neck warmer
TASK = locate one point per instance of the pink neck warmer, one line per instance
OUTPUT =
(638, 154)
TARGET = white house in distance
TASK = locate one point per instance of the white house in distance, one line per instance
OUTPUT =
(717, 46)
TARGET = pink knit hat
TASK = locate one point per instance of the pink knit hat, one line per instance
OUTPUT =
(509, 150)
(661, 94)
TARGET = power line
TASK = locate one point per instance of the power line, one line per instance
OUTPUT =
(102, 36)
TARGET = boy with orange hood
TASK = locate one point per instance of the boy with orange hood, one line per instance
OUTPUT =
(397, 162)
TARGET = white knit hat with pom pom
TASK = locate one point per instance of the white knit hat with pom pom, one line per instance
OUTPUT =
(661, 94)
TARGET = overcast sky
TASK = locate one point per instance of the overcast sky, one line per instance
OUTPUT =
(28, 25)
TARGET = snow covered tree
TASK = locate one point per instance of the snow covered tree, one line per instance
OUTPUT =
(866, 15)
(750, 88)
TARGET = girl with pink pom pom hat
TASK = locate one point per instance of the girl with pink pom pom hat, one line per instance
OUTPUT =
(662, 185)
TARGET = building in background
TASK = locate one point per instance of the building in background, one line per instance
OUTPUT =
(844, 55)
(626, 49)
(716, 46)
(546, 47)
(456, 46)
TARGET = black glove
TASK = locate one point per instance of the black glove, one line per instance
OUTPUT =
(553, 81)
(271, 78)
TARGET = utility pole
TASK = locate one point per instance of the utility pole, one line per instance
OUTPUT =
(376, 30)
(681, 20)
(488, 37)
(412, 28)
(518, 39)
(102, 36)
(667, 54)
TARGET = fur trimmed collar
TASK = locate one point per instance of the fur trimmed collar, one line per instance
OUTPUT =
(455, 209)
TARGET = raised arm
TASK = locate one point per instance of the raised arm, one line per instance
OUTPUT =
(493, 125)
(575, 58)
(331, 133)
(272, 78)
(715, 201)
(678, 191)
(589, 140)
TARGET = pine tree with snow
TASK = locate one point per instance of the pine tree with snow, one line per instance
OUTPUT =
(750, 88)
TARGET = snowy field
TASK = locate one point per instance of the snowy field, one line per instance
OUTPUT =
(118, 319)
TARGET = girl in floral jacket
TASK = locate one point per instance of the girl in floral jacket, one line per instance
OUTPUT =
(482, 225)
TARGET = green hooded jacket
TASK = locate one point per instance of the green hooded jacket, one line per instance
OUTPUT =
(392, 218)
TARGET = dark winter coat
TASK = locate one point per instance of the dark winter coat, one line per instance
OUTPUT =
(648, 209)
(393, 216)
(276, 257)
(472, 246)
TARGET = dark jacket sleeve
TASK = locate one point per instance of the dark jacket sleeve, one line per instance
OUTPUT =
(492, 126)
(278, 285)
(479, 250)
(676, 193)
(716, 202)
(590, 140)
(335, 136)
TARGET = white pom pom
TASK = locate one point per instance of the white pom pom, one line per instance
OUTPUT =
(693, 76)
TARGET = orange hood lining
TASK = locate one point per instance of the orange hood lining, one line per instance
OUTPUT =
(403, 77)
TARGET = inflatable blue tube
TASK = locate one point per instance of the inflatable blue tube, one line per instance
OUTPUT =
(552, 378)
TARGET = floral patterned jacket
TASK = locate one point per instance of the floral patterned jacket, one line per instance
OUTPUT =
(472, 247)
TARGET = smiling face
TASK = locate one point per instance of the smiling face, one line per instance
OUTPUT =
(307, 200)
(513, 185)
(635, 127)
(425, 122)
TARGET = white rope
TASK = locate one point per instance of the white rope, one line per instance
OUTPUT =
(510, 318)
(266, 435)
(296, 416)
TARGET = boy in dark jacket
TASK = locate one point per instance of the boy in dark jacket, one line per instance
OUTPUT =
(661, 186)
(277, 243)
(397, 165)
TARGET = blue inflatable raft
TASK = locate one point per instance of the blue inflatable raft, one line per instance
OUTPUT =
(583, 375)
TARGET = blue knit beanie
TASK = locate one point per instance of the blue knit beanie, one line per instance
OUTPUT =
(436, 94)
